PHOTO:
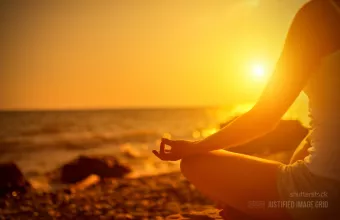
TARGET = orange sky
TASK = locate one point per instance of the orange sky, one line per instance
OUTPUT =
(112, 54)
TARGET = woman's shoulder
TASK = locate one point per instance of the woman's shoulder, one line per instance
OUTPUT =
(321, 12)
(318, 21)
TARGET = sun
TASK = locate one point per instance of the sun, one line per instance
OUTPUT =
(258, 71)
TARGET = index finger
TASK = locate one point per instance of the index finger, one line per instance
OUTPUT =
(156, 154)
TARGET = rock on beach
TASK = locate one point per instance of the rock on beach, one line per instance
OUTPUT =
(12, 180)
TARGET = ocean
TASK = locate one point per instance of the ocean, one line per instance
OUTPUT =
(40, 141)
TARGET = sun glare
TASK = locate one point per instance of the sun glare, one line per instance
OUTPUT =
(258, 72)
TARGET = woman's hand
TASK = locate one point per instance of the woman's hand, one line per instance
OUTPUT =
(179, 149)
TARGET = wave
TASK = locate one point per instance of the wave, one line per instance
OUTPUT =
(73, 141)
(47, 129)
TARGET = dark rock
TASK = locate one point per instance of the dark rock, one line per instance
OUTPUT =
(285, 137)
(84, 166)
(12, 180)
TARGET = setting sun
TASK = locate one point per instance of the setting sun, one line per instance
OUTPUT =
(258, 71)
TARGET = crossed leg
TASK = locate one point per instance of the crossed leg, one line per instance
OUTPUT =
(236, 180)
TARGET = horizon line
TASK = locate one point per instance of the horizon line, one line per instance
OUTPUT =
(110, 108)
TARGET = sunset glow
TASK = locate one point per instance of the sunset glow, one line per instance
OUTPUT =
(258, 72)
(119, 54)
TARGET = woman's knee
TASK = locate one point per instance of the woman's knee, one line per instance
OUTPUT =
(191, 164)
(187, 164)
(197, 164)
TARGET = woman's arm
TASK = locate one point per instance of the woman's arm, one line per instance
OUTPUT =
(310, 37)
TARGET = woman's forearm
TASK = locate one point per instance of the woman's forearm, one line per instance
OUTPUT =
(245, 128)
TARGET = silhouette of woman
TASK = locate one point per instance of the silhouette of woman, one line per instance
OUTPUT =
(308, 187)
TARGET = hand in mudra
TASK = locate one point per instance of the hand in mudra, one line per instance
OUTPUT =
(178, 149)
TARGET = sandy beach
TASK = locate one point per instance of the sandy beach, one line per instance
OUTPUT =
(166, 196)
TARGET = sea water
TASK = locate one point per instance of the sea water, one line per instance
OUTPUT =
(40, 141)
